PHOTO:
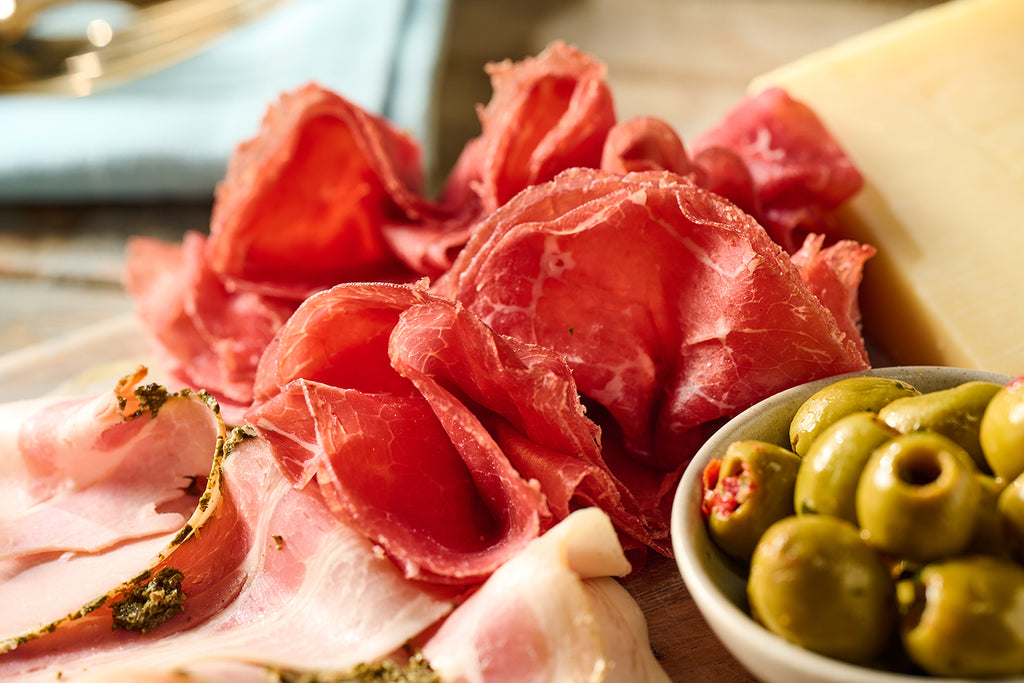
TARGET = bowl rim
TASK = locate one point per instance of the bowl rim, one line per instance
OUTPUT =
(689, 533)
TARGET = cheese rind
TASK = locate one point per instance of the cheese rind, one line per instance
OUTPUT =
(931, 110)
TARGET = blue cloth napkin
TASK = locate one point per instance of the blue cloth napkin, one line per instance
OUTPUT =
(169, 135)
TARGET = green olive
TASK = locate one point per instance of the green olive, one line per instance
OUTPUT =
(989, 537)
(965, 617)
(918, 497)
(955, 412)
(1002, 431)
(1011, 512)
(815, 582)
(827, 480)
(850, 395)
(754, 488)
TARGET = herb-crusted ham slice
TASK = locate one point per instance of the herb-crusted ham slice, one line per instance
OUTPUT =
(261, 575)
(673, 307)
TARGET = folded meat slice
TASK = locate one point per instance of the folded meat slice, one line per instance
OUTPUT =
(776, 149)
(203, 335)
(85, 474)
(445, 443)
(673, 307)
(303, 201)
(262, 575)
(552, 613)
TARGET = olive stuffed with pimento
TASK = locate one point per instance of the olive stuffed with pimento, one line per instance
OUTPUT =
(889, 529)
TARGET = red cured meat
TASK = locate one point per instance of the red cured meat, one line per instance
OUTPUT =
(672, 307)
(387, 374)
(303, 202)
(206, 336)
(547, 113)
(645, 143)
(834, 274)
(800, 172)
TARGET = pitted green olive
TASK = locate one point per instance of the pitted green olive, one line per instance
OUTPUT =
(815, 582)
(827, 480)
(955, 412)
(918, 497)
(1011, 513)
(1002, 431)
(752, 489)
(850, 395)
(965, 617)
(989, 537)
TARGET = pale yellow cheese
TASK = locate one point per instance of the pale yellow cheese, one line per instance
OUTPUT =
(931, 109)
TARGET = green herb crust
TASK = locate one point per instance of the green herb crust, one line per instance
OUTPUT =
(416, 670)
(150, 604)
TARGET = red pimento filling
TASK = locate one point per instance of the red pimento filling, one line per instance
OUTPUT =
(722, 495)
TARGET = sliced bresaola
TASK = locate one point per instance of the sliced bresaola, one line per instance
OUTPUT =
(546, 114)
(446, 444)
(798, 171)
(262, 575)
(303, 203)
(645, 143)
(203, 334)
(552, 613)
(673, 307)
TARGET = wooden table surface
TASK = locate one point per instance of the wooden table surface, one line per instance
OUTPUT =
(685, 61)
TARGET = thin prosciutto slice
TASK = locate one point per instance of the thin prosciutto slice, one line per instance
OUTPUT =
(673, 307)
(267, 576)
(552, 613)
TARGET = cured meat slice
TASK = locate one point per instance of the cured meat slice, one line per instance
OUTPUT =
(551, 614)
(800, 173)
(204, 335)
(834, 274)
(645, 143)
(673, 307)
(86, 474)
(263, 575)
(303, 202)
(547, 113)
(446, 444)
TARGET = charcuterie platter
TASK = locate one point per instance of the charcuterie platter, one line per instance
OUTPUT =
(457, 391)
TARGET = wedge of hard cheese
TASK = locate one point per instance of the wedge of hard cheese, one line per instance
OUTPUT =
(931, 109)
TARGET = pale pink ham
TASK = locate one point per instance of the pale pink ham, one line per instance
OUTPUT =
(551, 614)
(83, 475)
(270, 577)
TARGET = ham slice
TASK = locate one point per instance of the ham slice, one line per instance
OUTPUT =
(551, 614)
(269, 576)
(673, 307)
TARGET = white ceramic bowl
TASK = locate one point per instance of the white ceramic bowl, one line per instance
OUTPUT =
(716, 587)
